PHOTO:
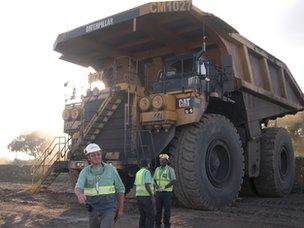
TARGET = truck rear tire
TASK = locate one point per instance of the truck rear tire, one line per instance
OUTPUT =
(209, 163)
(277, 168)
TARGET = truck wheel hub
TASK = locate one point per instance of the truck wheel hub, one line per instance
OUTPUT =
(283, 162)
(218, 163)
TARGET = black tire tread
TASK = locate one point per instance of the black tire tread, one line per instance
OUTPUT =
(186, 190)
(266, 182)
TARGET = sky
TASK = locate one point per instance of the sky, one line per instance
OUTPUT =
(32, 76)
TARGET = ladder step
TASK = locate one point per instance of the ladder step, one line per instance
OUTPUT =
(109, 113)
(117, 101)
(93, 137)
(112, 107)
(105, 119)
(98, 127)
(97, 131)
(89, 137)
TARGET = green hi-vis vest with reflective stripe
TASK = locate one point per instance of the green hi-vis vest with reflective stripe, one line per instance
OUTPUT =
(100, 190)
(139, 183)
(162, 178)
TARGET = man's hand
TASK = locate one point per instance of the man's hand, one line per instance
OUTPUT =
(119, 214)
(81, 198)
(120, 198)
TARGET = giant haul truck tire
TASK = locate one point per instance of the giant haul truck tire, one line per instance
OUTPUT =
(209, 163)
(277, 167)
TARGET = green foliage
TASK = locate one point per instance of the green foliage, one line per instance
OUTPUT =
(32, 143)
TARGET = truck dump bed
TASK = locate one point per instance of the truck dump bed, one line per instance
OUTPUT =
(162, 29)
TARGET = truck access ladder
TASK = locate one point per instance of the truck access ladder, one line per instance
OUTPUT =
(98, 120)
(49, 164)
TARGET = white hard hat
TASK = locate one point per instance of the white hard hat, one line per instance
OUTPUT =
(91, 148)
(164, 156)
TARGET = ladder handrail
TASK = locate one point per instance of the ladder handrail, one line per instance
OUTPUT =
(48, 152)
(85, 130)
(66, 147)
(96, 114)
(61, 152)
(47, 148)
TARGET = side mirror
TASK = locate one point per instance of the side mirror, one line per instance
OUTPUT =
(201, 68)
(160, 75)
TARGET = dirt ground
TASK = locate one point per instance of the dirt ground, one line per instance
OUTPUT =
(58, 207)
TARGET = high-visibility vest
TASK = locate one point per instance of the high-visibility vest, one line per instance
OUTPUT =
(139, 183)
(163, 179)
(100, 190)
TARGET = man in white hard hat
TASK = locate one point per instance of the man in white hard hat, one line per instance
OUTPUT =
(164, 178)
(100, 188)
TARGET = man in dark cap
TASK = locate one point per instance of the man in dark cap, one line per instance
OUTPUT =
(145, 196)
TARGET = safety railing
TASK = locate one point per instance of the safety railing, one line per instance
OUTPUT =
(96, 115)
(56, 151)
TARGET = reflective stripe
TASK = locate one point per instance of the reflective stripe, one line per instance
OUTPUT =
(139, 183)
(163, 181)
(102, 190)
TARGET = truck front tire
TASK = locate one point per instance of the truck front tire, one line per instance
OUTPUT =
(209, 163)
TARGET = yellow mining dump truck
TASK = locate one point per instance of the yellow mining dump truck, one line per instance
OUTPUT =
(183, 82)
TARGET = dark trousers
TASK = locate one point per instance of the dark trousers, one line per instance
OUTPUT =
(146, 210)
(163, 200)
(101, 220)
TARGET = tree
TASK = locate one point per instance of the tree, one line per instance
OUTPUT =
(32, 143)
(295, 126)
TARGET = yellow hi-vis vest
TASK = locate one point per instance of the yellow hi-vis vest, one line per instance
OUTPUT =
(162, 178)
(139, 183)
(100, 190)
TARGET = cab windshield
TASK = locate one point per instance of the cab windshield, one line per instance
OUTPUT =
(179, 68)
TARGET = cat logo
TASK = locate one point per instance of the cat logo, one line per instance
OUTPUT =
(183, 102)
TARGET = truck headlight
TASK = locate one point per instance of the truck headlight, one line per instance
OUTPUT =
(66, 114)
(144, 104)
(158, 102)
(74, 113)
